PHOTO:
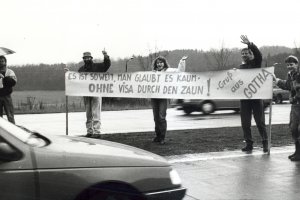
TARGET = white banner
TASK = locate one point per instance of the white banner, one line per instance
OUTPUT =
(227, 84)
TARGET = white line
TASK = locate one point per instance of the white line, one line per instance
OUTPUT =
(225, 155)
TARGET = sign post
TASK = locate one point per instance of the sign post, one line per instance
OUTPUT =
(67, 117)
(270, 127)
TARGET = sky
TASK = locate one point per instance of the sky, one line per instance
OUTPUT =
(59, 31)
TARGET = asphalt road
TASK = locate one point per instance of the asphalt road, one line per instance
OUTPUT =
(235, 175)
(214, 175)
(141, 120)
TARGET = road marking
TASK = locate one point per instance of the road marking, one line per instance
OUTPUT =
(225, 155)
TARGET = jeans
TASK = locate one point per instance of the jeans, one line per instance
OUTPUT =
(256, 106)
(92, 109)
(7, 104)
(159, 107)
(295, 122)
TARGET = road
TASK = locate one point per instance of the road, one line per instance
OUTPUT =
(235, 175)
(141, 120)
(214, 175)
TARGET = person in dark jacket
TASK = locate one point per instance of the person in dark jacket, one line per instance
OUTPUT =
(293, 85)
(252, 58)
(8, 80)
(93, 104)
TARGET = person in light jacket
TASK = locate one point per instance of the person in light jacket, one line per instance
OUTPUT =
(159, 106)
(8, 80)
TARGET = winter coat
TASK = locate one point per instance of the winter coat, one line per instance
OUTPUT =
(256, 61)
(293, 85)
(96, 67)
(8, 82)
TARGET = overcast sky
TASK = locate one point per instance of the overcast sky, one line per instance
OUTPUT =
(59, 31)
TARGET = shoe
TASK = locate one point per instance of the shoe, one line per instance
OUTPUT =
(296, 156)
(265, 146)
(292, 155)
(96, 136)
(162, 142)
(156, 139)
(89, 135)
(248, 147)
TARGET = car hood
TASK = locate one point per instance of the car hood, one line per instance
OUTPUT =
(70, 152)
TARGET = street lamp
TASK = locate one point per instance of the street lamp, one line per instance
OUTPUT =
(132, 57)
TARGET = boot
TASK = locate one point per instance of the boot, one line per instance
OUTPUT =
(156, 139)
(248, 147)
(265, 146)
(292, 155)
(296, 157)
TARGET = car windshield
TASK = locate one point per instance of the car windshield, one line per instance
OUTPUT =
(23, 134)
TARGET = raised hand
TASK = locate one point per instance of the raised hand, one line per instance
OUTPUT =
(184, 57)
(245, 39)
(104, 52)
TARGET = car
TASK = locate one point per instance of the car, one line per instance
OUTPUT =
(280, 95)
(35, 166)
(208, 106)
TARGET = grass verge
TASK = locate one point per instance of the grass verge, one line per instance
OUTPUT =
(200, 140)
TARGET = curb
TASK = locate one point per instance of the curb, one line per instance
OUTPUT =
(225, 154)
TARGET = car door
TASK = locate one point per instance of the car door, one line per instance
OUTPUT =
(17, 177)
(227, 103)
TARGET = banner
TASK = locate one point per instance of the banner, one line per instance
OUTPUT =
(228, 84)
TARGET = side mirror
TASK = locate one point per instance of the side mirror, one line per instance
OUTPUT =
(8, 153)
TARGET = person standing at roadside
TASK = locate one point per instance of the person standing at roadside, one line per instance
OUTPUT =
(93, 104)
(8, 80)
(293, 85)
(159, 106)
(252, 58)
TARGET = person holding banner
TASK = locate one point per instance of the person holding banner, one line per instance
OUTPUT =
(293, 85)
(93, 104)
(252, 58)
(8, 80)
(159, 106)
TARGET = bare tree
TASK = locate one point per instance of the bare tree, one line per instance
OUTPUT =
(146, 62)
(218, 58)
(142, 63)
(222, 57)
(296, 50)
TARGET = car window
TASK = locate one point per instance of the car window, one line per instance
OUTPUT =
(23, 134)
(14, 130)
(36, 140)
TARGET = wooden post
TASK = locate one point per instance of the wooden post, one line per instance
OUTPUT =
(67, 118)
(270, 127)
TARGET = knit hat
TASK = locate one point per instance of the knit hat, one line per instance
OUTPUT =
(292, 59)
(87, 54)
